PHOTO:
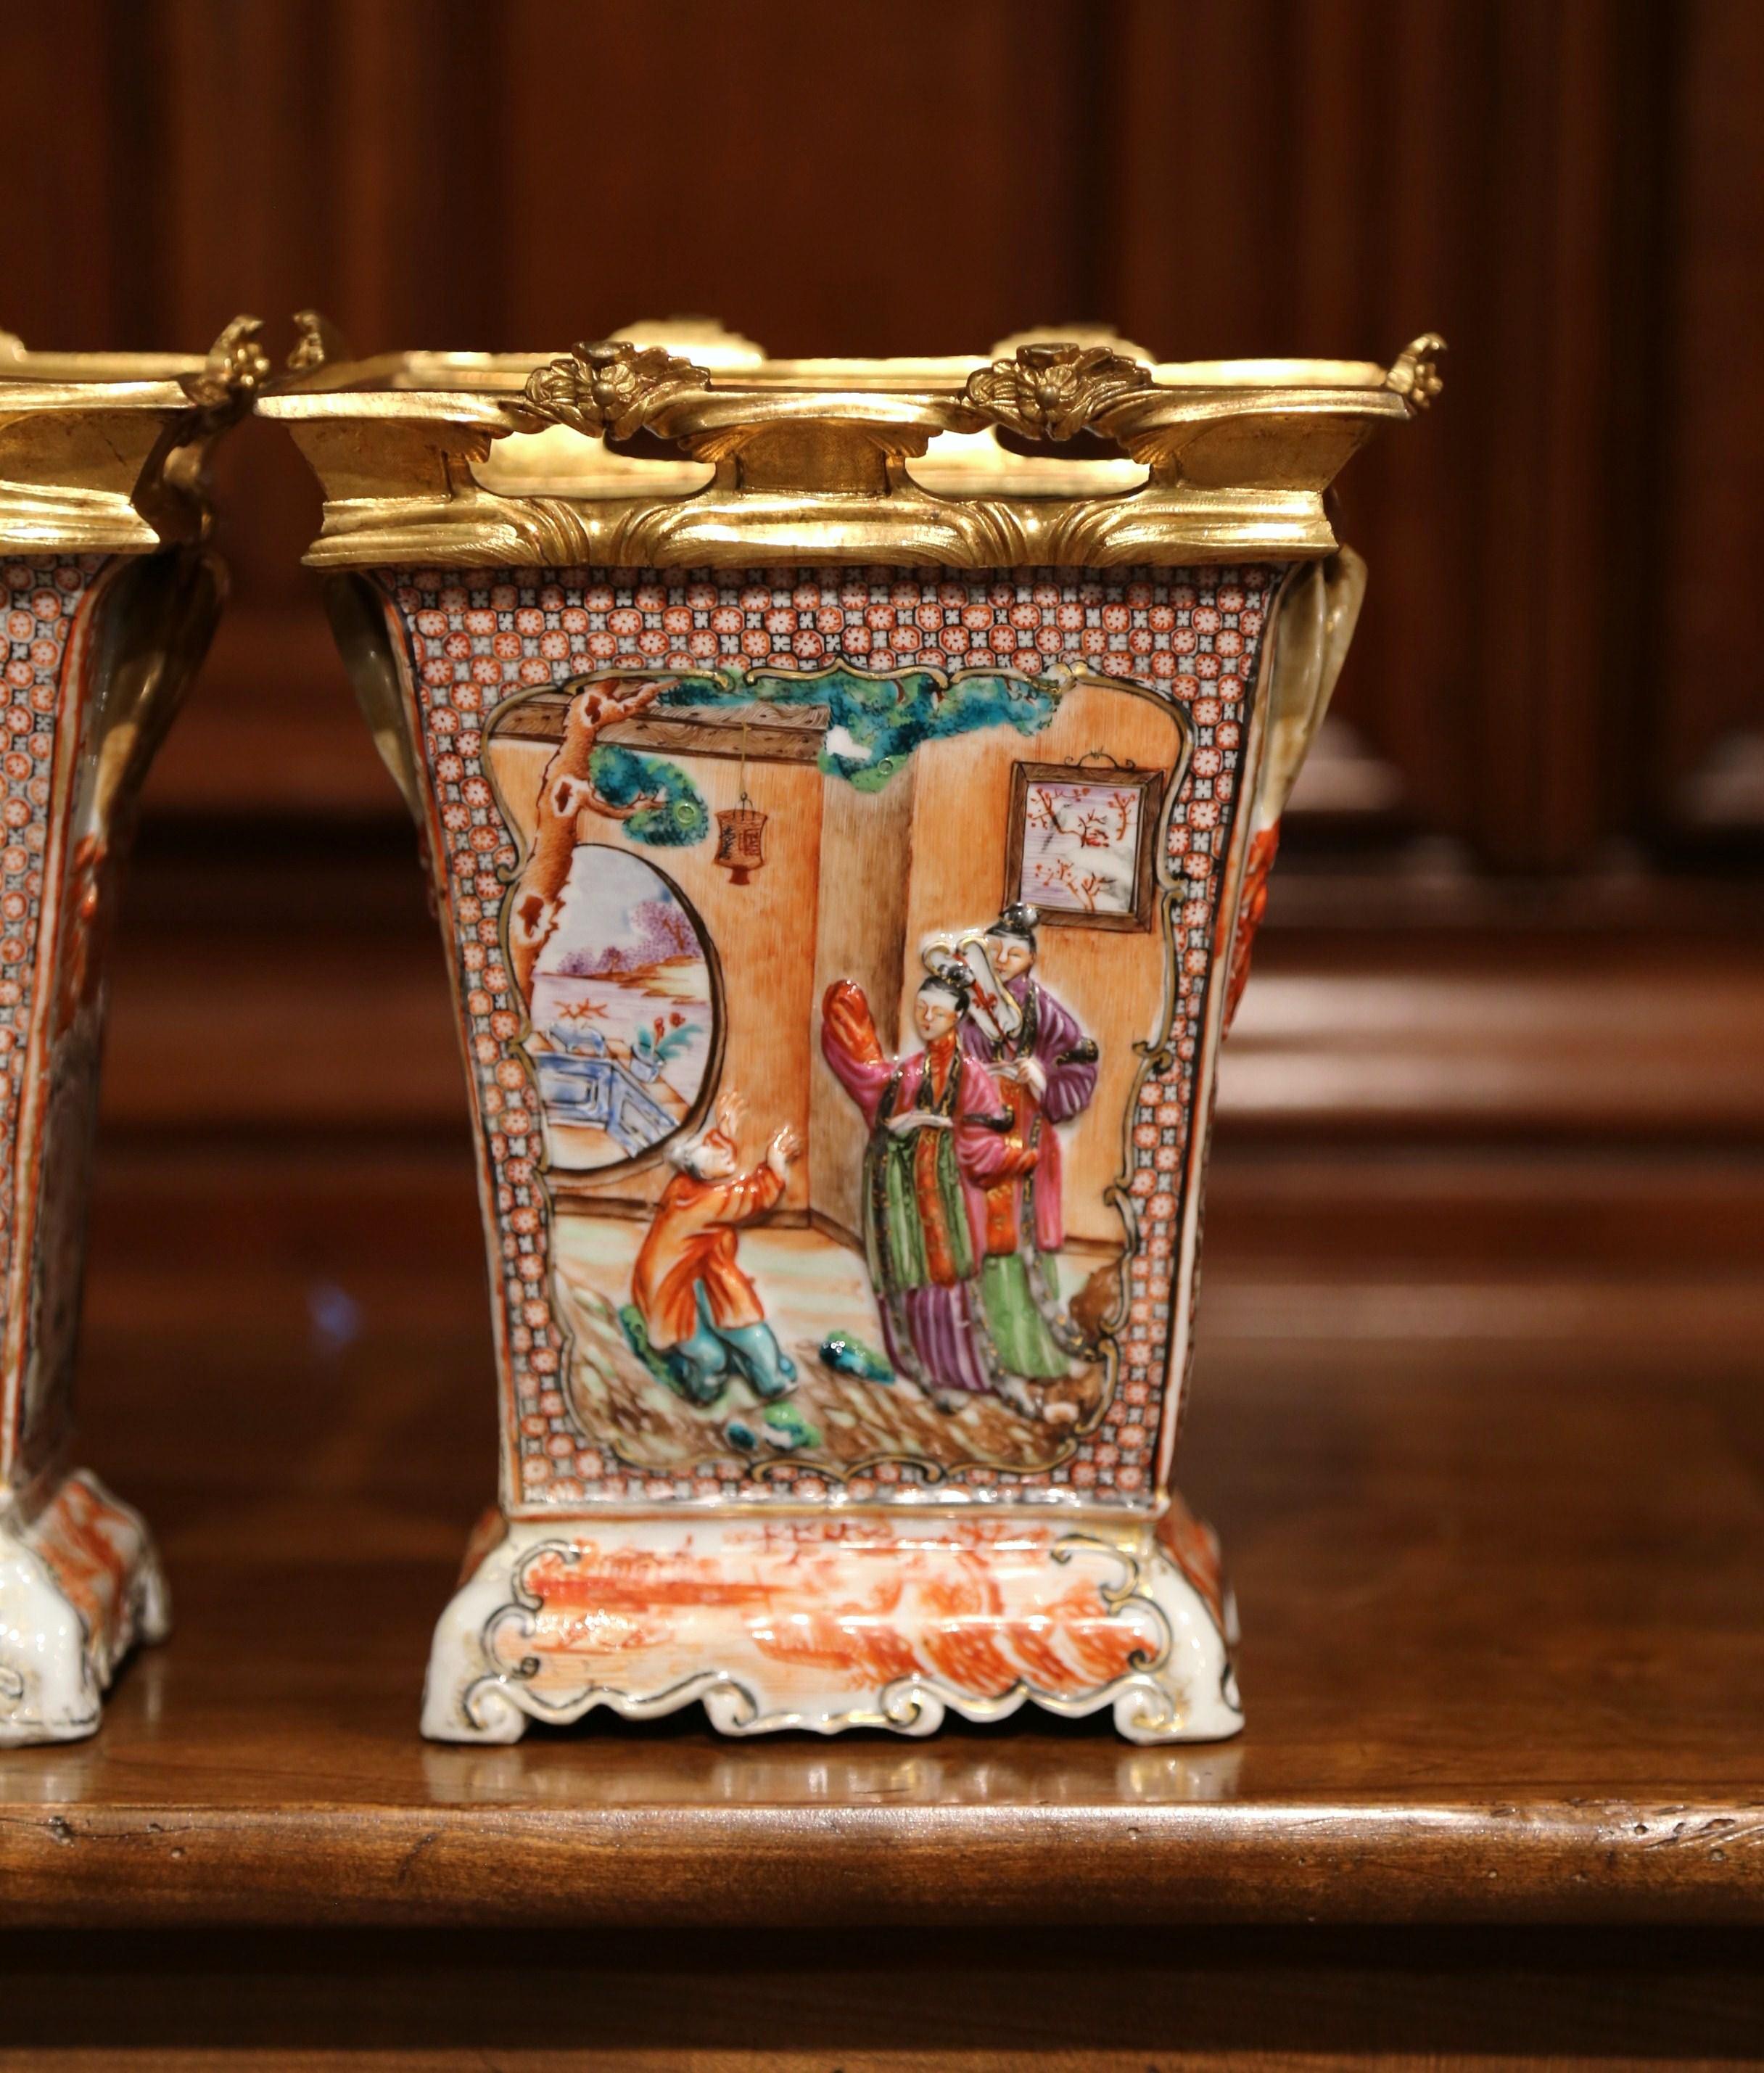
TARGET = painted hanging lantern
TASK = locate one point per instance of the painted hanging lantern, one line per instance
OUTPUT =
(741, 839)
(741, 830)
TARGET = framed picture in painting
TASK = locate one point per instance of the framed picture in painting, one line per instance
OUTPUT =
(1081, 837)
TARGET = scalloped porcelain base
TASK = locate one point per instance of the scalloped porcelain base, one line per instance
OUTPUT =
(79, 1586)
(860, 1619)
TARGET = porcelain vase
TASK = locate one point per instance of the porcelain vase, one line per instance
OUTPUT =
(109, 596)
(848, 806)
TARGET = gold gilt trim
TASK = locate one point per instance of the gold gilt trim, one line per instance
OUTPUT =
(235, 368)
(317, 342)
(109, 452)
(1049, 392)
(485, 460)
(607, 387)
(1414, 374)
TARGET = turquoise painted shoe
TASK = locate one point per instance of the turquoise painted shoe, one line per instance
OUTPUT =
(847, 1355)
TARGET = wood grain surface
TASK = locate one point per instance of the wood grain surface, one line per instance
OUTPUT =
(1501, 1591)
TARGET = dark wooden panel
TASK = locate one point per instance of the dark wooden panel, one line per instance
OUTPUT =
(906, 180)
(1569, 191)
(1220, 2001)
(1367, 170)
(1270, 197)
(1706, 748)
(59, 292)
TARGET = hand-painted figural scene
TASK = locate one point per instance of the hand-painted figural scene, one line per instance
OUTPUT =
(834, 988)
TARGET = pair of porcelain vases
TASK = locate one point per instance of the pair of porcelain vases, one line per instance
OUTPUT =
(849, 789)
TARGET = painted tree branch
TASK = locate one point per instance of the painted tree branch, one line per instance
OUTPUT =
(566, 791)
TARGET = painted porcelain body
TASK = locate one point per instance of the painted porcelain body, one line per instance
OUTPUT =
(109, 602)
(842, 948)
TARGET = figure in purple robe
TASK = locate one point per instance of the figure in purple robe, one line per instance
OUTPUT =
(939, 1138)
(1046, 1070)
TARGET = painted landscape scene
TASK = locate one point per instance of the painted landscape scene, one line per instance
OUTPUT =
(623, 1014)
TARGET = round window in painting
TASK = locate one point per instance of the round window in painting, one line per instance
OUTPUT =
(626, 1013)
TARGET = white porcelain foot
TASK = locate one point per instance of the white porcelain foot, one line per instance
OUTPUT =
(835, 1622)
(79, 1584)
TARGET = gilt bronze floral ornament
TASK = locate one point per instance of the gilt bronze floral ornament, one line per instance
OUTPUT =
(111, 594)
(843, 1217)
(1049, 392)
(611, 388)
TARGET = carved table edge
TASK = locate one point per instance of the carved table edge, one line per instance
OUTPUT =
(1559, 1862)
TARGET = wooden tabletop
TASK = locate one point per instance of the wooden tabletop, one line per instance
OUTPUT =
(1485, 1443)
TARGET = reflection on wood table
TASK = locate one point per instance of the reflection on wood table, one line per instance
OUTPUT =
(1504, 1664)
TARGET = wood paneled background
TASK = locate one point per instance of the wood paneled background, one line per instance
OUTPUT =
(1557, 684)
(1486, 1204)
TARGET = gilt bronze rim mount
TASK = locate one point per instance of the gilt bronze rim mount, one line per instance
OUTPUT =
(677, 445)
(108, 452)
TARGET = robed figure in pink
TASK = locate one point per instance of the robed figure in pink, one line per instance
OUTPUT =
(937, 1141)
(1045, 1068)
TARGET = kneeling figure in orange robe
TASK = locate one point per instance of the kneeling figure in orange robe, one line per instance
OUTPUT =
(702, 1313)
